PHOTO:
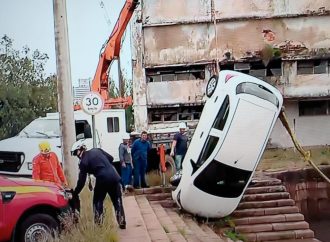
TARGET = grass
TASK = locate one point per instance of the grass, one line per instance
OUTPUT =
(280, 159)
(154, 178)
(86, 230)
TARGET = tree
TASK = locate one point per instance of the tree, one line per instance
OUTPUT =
(25, 91)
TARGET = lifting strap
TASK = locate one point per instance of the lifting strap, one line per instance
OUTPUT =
(306, 154)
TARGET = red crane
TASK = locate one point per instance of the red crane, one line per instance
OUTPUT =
(100, 83)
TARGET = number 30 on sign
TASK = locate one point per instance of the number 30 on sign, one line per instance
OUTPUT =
(92, 103)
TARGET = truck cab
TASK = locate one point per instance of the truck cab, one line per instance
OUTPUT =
(17, 153)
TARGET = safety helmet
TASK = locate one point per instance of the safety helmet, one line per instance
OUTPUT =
(78, 145)
(126, 136)
(182, 125)
(44, 147)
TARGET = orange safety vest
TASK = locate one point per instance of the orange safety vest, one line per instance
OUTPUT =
(48, 168)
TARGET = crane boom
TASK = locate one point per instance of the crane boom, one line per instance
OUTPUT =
(111, 52)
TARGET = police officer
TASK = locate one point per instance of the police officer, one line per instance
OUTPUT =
(100, 164)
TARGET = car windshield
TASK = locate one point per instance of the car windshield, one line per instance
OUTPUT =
(221, 180)
(44, 128)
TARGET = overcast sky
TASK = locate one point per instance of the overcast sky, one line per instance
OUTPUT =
(31, 23)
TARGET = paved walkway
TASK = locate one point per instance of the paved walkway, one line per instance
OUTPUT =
(136, 230)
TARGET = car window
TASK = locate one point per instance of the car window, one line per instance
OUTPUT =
(210, 144)
(222, 180)
(222, 116)
(257, 90)
(212, 141)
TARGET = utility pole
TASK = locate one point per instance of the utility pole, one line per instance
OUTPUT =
(64, 89)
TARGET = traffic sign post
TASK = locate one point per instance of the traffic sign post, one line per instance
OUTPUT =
(92, 103)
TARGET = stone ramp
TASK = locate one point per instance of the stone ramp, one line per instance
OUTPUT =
(148, 220)
(267, 213)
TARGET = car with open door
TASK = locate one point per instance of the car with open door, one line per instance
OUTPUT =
(228, 143)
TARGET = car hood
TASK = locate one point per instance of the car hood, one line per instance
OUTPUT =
(21, 181)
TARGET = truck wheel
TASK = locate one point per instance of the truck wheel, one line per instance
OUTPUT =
(37, 227)
(211, 85)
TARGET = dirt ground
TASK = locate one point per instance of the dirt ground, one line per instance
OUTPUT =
(288, 159)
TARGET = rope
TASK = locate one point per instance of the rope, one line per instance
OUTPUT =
(306, 154)
(216, 35)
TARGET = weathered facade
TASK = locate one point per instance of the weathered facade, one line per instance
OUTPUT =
(178, 44)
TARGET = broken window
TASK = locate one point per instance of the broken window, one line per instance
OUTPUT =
(170, 117)
(312, 108)
(256, 68)
(242, 67)
(305, 67)
(171, 114)
(176, 73)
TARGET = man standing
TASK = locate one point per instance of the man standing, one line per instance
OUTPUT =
(179, 146)
(140, 150)
(99, 163)
(46, 167)
(126, 161)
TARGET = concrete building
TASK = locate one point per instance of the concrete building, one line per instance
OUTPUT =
(178, 45)
(81, 90)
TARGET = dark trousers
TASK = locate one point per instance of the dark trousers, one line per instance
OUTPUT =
(114, 190)
(140, 168)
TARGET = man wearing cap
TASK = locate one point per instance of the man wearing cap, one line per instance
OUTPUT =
(179, 146)
(46, 166)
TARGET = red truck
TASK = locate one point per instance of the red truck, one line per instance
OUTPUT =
(29, 209)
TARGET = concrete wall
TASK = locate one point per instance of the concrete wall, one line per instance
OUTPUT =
(310, 130)
(170, 33)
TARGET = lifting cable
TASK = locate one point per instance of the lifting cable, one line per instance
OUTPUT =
(306, 154)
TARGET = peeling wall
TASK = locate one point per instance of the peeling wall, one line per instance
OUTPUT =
(243, 39)
(267, 8)
(176, 92)
(169, 32)
(310, 130)
(162, 12)
(316, 85)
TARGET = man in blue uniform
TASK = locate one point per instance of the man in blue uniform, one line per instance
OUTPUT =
(140, 150)
(100, 164)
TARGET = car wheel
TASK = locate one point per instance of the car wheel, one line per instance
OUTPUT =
(211, 85)
(37, 227)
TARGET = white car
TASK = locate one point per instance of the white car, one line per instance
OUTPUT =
(228, 143)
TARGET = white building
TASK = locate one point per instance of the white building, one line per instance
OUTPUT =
(84, 87)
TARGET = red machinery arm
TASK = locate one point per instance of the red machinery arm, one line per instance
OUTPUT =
(111, 51)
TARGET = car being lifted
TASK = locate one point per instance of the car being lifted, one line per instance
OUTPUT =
(228, 143)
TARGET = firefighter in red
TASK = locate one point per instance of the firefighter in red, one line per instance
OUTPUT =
(46, 166)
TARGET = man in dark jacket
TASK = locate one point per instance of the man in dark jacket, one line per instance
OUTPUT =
(99, 163)
(139, 151)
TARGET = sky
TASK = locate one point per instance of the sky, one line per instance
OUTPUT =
(31, 23)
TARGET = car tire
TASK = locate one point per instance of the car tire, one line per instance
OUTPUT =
(211, 85)
(37, 227)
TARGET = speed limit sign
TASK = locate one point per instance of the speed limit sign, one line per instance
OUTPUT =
(92, 103)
